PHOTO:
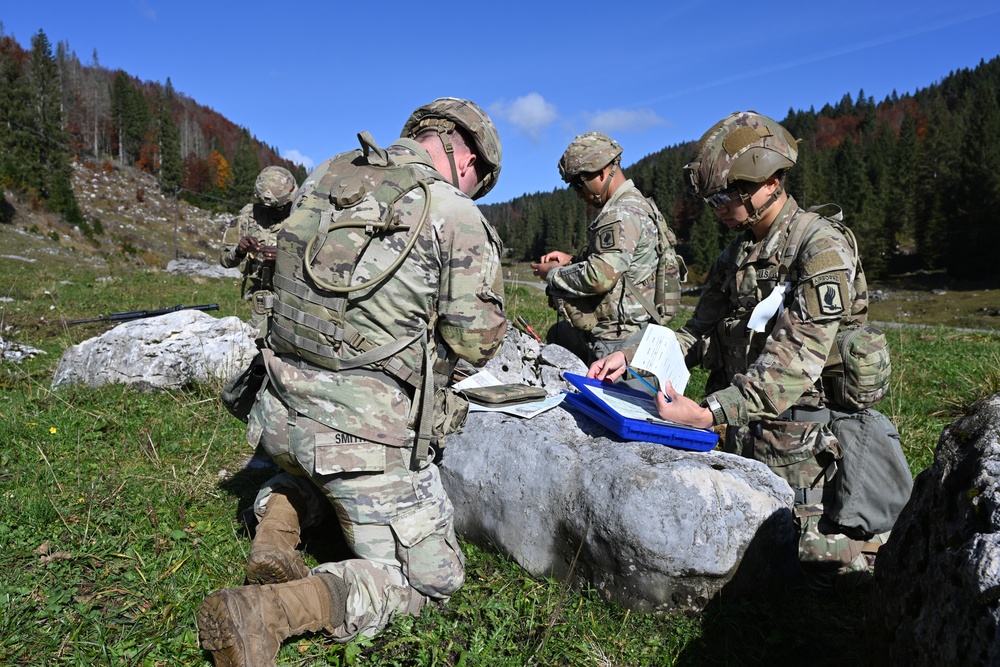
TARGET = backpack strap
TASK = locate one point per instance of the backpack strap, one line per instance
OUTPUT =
(800, 231)
(659, 309)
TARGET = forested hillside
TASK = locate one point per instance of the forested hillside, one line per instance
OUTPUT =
(918, 177)
(54, 110)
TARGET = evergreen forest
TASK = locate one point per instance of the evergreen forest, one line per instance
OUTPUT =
(54, 110)
(917, 176)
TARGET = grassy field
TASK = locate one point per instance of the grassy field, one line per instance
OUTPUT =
(118, 511)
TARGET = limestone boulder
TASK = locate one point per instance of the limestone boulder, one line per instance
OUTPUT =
(647, 526)
(937, 581)
(165, 352)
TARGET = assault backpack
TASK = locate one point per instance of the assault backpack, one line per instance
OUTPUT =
(666, 298)
(856, 374)
(307, 316)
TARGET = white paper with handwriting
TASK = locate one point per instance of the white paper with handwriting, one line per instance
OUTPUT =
(660, 354)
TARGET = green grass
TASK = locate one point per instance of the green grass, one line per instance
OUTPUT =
(118, 514)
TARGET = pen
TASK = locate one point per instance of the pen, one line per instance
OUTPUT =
(642, 380)
(527, 327)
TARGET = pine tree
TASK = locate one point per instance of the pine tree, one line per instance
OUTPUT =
(972, 243)
(16, 138)
(130, 115)
(169, 139)
(245, 169)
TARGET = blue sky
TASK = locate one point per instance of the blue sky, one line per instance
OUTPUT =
(307, 78)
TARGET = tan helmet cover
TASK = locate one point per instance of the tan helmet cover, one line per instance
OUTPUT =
(443, 114)
(275, 187)
(588, 154)
(744, 146)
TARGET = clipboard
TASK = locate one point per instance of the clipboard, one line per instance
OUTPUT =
(632, 415)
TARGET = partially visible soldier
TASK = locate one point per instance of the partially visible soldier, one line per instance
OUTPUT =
(627, 274)
(385, 261)
(250, 240)
(766, 355)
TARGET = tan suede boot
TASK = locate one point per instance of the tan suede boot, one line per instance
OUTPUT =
(244, 627)
(273, 557)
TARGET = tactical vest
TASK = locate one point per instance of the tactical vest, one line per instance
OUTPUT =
(350, 213)
(751, 283)
(586, 312)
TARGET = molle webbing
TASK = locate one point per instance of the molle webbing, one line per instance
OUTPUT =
(370, 353)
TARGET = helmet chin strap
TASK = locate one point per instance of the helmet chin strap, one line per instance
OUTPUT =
(755, 214)
(599, 198)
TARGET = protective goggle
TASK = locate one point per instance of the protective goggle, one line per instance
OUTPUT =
(578, 182)
(723, 198)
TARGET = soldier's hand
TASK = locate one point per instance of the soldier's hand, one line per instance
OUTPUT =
(268, 253)
(677, 407)
(542, 269)
(557, 256)
(247, 244)
(609, 368)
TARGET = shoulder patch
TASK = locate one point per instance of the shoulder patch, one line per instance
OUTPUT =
(829, 297)
(607, 237)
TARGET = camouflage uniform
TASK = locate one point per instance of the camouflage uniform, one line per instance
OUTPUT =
(762, 384)
(601, 313)
(349, 435)
(262, 223)
(766, 385)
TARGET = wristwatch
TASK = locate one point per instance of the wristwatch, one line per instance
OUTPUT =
(718, 414)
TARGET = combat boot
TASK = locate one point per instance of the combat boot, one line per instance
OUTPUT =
(273, 557)
(244, 627)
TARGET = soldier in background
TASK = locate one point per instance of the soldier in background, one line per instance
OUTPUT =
(628, 273)
(249, 241)
(766, 355)
(349, 406)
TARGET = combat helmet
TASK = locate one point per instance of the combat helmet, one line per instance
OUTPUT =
(744, 146)
(443, 115)
(275, 187)
(588, 154)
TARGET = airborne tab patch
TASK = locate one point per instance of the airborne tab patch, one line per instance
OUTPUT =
(607, 237)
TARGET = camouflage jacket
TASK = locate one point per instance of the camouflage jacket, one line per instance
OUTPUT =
(621, 241)
(259, 222)
(450, 285)
(757, 376)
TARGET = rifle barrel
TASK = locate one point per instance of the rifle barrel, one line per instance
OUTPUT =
(131, 315)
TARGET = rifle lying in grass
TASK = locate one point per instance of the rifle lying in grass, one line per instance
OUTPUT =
(141, 314)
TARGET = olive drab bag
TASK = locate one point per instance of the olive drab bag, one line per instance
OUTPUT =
(873, 480)
(241, 390)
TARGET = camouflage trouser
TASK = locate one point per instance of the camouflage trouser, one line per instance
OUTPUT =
(398, 522)
(586, 346)
(803, 454)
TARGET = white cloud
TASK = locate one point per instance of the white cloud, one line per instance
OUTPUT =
(146, 9)
(529, 113)
(299, 158)
(622, 120)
